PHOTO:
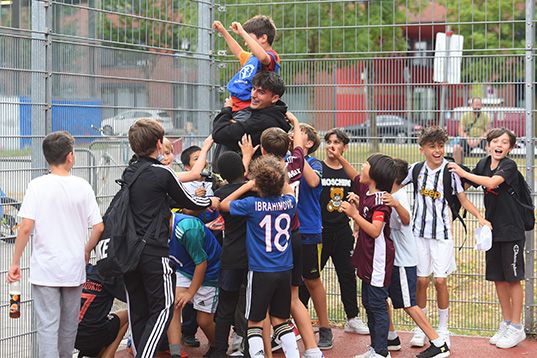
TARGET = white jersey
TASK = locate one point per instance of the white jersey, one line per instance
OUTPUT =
(432, 215)
(402, 236)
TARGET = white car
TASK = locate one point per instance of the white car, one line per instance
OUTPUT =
(120, 124)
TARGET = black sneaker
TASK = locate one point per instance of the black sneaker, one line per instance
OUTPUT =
(190, 341)
(435, 352)
(394, 344)
(326, 339)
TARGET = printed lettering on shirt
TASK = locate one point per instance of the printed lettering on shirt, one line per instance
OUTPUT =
(273, 206)
(336, 182)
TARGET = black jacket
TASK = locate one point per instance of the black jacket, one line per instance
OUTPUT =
(230, 134)
(149, 199)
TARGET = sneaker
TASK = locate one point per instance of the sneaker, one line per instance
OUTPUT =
(445, 335)
(435, 352)
(313, 353)
(499, 334)
(372, 354)
(394, 344)
(356, 325)
(511, 338)
(419, 338)
(190, 341)
(326, 339)
(236, 342)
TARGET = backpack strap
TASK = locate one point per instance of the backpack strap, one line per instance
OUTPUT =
(416, 169)
(450, 200)
(137, 173)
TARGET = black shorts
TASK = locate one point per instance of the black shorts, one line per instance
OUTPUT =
(91, 341)
(268, 291)
(311, 261)
(505, 261)
(231, 279)
(466, 148)
(296, 244)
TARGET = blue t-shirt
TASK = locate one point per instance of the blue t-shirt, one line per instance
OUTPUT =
(240, 85)
(192, 243)
(309, 207)
(268, 231)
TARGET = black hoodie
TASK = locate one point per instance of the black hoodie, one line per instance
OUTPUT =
(229, 134)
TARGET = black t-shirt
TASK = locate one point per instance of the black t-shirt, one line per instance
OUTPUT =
(500, 208)
(336, 185)
(234, 242)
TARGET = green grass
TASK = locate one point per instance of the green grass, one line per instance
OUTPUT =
(7, 153)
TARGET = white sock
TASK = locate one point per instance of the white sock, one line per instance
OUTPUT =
(439, 342)
(289, 346)
(312, 352)
(392, 335)
(443, 315)
(255, 342)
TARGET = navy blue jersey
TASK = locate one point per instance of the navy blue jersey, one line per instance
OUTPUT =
(309, 208)
(192, 243)
(268, 231)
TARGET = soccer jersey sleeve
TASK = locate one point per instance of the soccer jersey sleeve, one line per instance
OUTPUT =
(193, 238)
(242, 207)
(295, 164)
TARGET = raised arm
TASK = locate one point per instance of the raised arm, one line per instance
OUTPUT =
(347, 167)
(195, 172)
(256, 48)
(233, 45)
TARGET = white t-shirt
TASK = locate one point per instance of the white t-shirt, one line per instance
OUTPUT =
(432, 215)
(191, 187)
(63, 208)
(402, 236)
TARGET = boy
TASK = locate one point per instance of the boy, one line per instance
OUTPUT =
(266, 111)
(402, 289)
(432, 227)
(270, 258)
(189, 157)
(233, 261)
(57, 208)
(505, 260)
(149, 315)
(337, 237)
(258, 33)
(99, 331)
(374, 252)
(309, 208)
(196, 254)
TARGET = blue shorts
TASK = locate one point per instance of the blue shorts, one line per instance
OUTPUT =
(402, 289)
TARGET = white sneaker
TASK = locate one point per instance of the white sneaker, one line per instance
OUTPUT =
(313, 353)
(419, 338)
(499, 334)
(445, 335)
(369, 354)
(356, 325)
(511, 338)
(236, 341)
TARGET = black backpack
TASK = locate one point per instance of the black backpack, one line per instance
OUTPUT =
(119, 248)
(451, 199)
(524, 199)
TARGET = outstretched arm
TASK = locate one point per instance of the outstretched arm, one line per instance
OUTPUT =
(256, 48)
(233, 45)
(349, 169)
(195, 172)
(246, 187)
(488, 182)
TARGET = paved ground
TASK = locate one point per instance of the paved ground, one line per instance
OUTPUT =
(347, 345)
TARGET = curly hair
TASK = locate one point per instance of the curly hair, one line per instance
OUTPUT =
(433, 134)
(269, 174)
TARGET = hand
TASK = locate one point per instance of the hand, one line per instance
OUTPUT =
(182, 298)
(485, 222)
(228, 102)
(353, 198)
(208, 143)
(217, 25)
(236, 27)
(215, 201)
(389, 200)
(247, 147)
(201, 191)
(455, 168)
(334, 152)
(349, 209)
(292, 119)
(14, 273)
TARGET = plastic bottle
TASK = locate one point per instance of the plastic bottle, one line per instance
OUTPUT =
(15, 299)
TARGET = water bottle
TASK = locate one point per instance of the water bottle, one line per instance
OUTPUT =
(15, 299)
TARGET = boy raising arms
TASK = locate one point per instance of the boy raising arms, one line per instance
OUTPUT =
(432, 226)
(270, 259)
(258, 34)
(505, 260)
(57, 208)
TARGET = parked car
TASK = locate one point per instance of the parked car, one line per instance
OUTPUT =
(389, 128)
(512, 118)
(120, 124)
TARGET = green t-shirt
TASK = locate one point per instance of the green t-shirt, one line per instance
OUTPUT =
(475, 127)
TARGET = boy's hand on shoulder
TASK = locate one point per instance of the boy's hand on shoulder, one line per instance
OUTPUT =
(389, 200)
(217, 25)
(236, 27)
(349, 209)
(455, 168)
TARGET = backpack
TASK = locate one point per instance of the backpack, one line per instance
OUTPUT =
(119, 248)
(524, 199)
(451, 199)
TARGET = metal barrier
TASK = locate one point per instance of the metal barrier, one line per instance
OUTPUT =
(366, 66)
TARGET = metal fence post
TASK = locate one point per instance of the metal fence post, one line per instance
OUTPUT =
(205, 14)
(530, 157)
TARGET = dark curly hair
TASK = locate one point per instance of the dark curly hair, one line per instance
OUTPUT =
(269, 174)
(433, 135)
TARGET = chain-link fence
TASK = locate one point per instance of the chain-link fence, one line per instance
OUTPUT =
(380, 69)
